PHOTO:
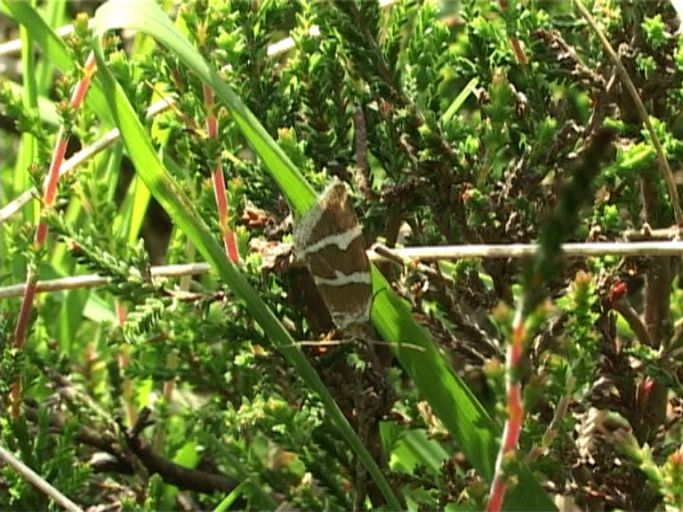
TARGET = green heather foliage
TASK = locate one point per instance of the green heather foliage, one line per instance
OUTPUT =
(453, 122)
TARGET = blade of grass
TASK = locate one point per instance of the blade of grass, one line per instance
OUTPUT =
(54, 14)
(28, 149)
(459, 100)
(120, 14)
(176, 203)
(228, 501)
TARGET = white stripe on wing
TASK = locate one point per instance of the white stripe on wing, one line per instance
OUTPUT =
(341, 279)
(341, 240)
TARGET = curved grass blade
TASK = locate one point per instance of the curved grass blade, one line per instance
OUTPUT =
(178, 205)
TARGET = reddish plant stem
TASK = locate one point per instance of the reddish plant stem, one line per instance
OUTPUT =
(515, 42)
(229, 241)
(49, 195)
(513, 424)
(519, 52)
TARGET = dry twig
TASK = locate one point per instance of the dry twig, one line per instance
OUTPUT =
(403, 256)
(38, 481)
(642, 112)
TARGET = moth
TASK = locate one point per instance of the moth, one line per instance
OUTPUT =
(329, 240)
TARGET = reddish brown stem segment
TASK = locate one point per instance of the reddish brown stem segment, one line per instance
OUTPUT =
(513, 425)
(49, 195)
(514, 41)
(219, 191)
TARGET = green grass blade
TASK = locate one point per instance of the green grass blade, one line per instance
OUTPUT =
(54, 14)
(178, 205)
(28, 149)
(459, 100)
(228, 501)
(149, 18)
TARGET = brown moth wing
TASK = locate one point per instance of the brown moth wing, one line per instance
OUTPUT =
(330, 241)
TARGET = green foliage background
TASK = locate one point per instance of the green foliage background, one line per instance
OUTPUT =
(427, 111)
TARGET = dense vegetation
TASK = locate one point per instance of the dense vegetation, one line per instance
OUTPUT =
(471, 122)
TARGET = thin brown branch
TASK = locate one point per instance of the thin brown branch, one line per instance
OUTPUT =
(94, 280)
(403, 256)
(38, 481)
(662, 162)
(396, 256)
(656, 318)
(633, 320)
(101, 439)
(647, 233)
(172, 473)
